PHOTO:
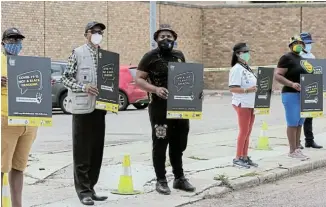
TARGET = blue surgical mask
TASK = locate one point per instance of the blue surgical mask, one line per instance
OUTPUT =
(13, 48)
(308, 47)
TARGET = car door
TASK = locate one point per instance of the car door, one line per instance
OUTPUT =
(56, 75)
(136, 94)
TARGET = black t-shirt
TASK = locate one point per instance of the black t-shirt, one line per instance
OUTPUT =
(156, 63)
(295, 67)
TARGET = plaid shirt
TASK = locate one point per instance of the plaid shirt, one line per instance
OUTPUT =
(69, 76)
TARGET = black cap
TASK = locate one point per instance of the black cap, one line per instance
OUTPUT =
(90, 25)
(165, 27)
(241, 47)
(12, 32)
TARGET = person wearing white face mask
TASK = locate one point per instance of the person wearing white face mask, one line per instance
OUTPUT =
(88, 123)
(307, 127)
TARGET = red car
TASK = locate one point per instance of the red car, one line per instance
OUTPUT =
(129, 93)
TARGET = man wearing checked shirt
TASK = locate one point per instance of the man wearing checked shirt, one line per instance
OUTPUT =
(88, 123)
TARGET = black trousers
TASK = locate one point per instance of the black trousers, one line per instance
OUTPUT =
(88, 131)
(307, 129)
(172, 132)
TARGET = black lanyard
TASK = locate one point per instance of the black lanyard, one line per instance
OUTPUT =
(247, 68)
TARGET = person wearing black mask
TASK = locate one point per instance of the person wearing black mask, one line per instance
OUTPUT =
(152, 76)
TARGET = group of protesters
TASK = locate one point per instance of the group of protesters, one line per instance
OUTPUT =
(88, 123)
(243, 85)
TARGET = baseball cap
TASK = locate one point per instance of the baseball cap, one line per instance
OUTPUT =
(165, 27)
(241, 47)
(90, 25)
(306, 37)
(12, 32)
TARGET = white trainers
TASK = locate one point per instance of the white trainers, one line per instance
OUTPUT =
(300, 152)
(298, 155)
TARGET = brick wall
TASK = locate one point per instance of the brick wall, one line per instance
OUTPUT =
(206, 33)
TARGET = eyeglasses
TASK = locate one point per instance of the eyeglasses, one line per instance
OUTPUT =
(96, 32)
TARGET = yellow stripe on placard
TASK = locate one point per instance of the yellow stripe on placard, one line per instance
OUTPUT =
(312, 114)
(261, 111)
(107, 106)
(29, 121)
(184, 114)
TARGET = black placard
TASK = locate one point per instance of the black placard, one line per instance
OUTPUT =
(319, 66)
(29, 91)
(264, 90)
(311, 95)
(185, 86)
(108, 81)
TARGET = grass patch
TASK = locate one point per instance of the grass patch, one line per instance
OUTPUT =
(251, 174)
(197, 158)
(224, 180)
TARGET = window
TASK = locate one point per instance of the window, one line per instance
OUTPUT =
(133, 72)
(56, 69)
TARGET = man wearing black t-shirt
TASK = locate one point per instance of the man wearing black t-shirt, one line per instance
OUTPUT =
(152, 76)
(288, 73)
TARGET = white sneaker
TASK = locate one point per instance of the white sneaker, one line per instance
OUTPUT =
(300, 152)
(297, 155)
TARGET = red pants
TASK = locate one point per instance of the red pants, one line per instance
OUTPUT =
(246, 119)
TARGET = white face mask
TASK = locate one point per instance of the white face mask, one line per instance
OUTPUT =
(96, 39)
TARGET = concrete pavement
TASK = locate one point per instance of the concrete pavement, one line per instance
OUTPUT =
(207, 162)
(305, 190)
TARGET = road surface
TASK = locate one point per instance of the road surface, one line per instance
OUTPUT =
(306, 190)
(133, 125)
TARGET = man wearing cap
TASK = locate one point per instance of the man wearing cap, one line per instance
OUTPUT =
(152, 75)
(307, 127)
(88, 123)
(16, 141)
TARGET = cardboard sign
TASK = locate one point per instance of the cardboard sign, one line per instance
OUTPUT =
(185, 86)
(264, 91)
(311, 95)
(108, 81)
(29, 91)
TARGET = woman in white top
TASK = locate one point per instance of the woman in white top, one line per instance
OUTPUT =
(242, 84)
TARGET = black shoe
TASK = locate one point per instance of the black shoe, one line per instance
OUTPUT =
(313, 145)
(250, 162)
(99, 198)
(241, 163)
(183, 184)
(162, 187)
(87, 201)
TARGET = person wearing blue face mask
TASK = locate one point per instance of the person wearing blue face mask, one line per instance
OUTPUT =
(16, 141)
(307, 127)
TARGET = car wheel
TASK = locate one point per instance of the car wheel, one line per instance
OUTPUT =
(63, 103)
(140, 105)
(123, 101)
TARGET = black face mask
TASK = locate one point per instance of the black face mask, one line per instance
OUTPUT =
(165, 45)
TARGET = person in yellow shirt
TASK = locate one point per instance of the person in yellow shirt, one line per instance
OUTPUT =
(16, 141)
